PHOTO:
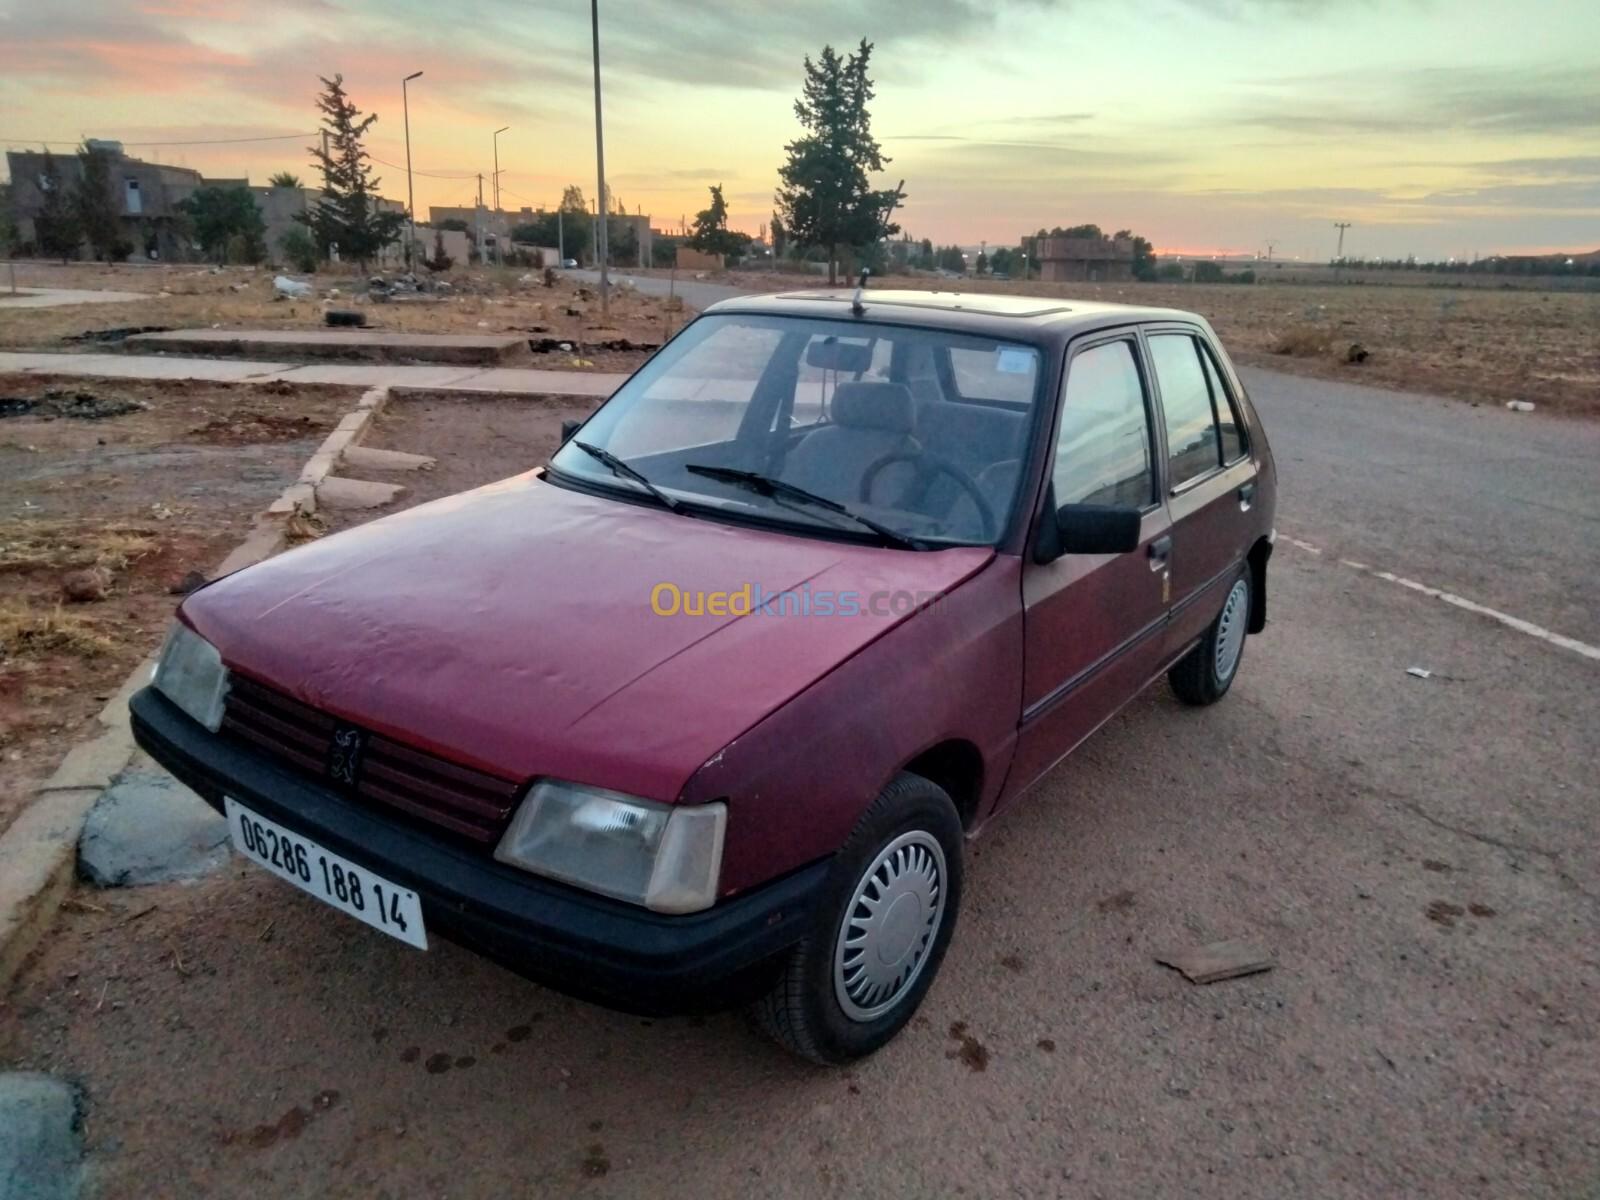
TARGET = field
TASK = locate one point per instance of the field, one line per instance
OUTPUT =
(495, 300)
(1481, 345)
(111, 495)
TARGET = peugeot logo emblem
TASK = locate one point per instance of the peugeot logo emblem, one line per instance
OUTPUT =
(344, 758)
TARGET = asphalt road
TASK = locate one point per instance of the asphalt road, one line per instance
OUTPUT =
(1419, 856)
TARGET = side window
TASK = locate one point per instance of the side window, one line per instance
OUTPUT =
(1227, 411)
(1192, 443)
(1103, 448)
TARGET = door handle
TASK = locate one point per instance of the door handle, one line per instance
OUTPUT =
(1160, 552)
(1247, 494)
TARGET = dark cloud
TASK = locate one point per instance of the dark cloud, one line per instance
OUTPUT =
(761, 44)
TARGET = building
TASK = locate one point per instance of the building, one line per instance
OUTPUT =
(146, 196)
(1079, 259)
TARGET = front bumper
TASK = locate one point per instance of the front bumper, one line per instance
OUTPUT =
(586, 945)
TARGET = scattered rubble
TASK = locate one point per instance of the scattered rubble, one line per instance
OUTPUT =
(120, 333)
(1217, 961)
(63, 402)
(86, 585)
(291, 289)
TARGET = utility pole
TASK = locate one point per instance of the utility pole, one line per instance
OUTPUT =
(561, 239)
(497, 134)
(600, 162)
(1269, 249)
(1341, 226)
(477, 217)
(411, 211)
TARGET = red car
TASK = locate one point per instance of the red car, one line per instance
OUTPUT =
(702, 712)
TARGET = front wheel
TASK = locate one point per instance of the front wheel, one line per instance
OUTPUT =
(880, 933)
(1204, 675)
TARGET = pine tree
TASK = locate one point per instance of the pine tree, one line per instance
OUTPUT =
(96, 208)
(347, 215)
(711, 234)
(56, 227)
(827, 198)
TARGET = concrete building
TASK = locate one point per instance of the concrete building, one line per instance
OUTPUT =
(1074, 260)
(146, 196)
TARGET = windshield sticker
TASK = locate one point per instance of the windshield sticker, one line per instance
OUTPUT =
(1008, 360)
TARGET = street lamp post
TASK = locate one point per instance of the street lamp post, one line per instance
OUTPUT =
(411, 212)
(600, 163)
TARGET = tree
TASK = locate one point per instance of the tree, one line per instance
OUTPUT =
(8, 227)
(1003, 261)
(1144, 254)
(571, 232)
(298, 248)
(780, 237)
(982, 267)
(284, 179)
(710, 233)
(96, 208)
(440, 260)
(224, 220)
(827, 198)
(347, 216)
(572, 199)
(455, 223)
(56, 227)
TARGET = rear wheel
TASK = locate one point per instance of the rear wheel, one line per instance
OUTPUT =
(879, 935)
(1204, 675)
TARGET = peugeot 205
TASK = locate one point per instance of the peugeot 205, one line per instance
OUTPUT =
(702, 712)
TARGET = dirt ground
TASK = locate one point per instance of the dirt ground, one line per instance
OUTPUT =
(1471, 343)
(137, 501)
(1417, 857)
(475, 442)
(490, 301)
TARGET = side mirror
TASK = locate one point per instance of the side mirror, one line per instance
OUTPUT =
(568, 428)
(1087, 529)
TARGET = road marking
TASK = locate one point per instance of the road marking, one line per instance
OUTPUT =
(1483, 610)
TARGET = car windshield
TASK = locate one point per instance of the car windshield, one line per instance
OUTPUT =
(912, 436)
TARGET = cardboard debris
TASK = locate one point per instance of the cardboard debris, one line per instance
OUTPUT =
(1217, 961)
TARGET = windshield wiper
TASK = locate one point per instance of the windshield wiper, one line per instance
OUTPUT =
(627, 471)
(765, 485)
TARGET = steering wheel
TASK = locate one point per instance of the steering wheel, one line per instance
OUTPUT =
(933, 464)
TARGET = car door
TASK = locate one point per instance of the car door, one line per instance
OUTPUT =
(1211, 478)
(1094, 624)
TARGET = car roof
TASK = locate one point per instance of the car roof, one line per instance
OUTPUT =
(988, 313)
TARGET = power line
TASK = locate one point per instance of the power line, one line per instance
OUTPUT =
(418, 171)
(277, 137)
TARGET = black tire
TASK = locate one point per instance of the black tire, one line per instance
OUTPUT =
(1195, 677)
(803, 1012)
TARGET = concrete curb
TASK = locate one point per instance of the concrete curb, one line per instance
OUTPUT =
(38, 850)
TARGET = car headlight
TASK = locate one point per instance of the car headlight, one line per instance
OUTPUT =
(666, 857)
(190, 674)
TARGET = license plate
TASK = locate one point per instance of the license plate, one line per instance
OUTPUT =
(331, 879)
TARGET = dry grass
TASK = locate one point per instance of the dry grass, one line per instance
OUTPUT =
(31, 631)
(1474, 343)
(69, 545)
(483, 300)
(1305, 341)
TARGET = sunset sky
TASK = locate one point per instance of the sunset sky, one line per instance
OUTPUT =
(1437, 127)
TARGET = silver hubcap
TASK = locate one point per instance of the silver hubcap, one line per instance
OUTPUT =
(1230, 630)
(889, 926)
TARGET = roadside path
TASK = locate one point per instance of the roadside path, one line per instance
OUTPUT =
(59, 297)
(517, 380)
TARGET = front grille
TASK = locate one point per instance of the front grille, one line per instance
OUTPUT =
(471, 804)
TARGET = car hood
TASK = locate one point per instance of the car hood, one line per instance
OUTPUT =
(511, 629)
